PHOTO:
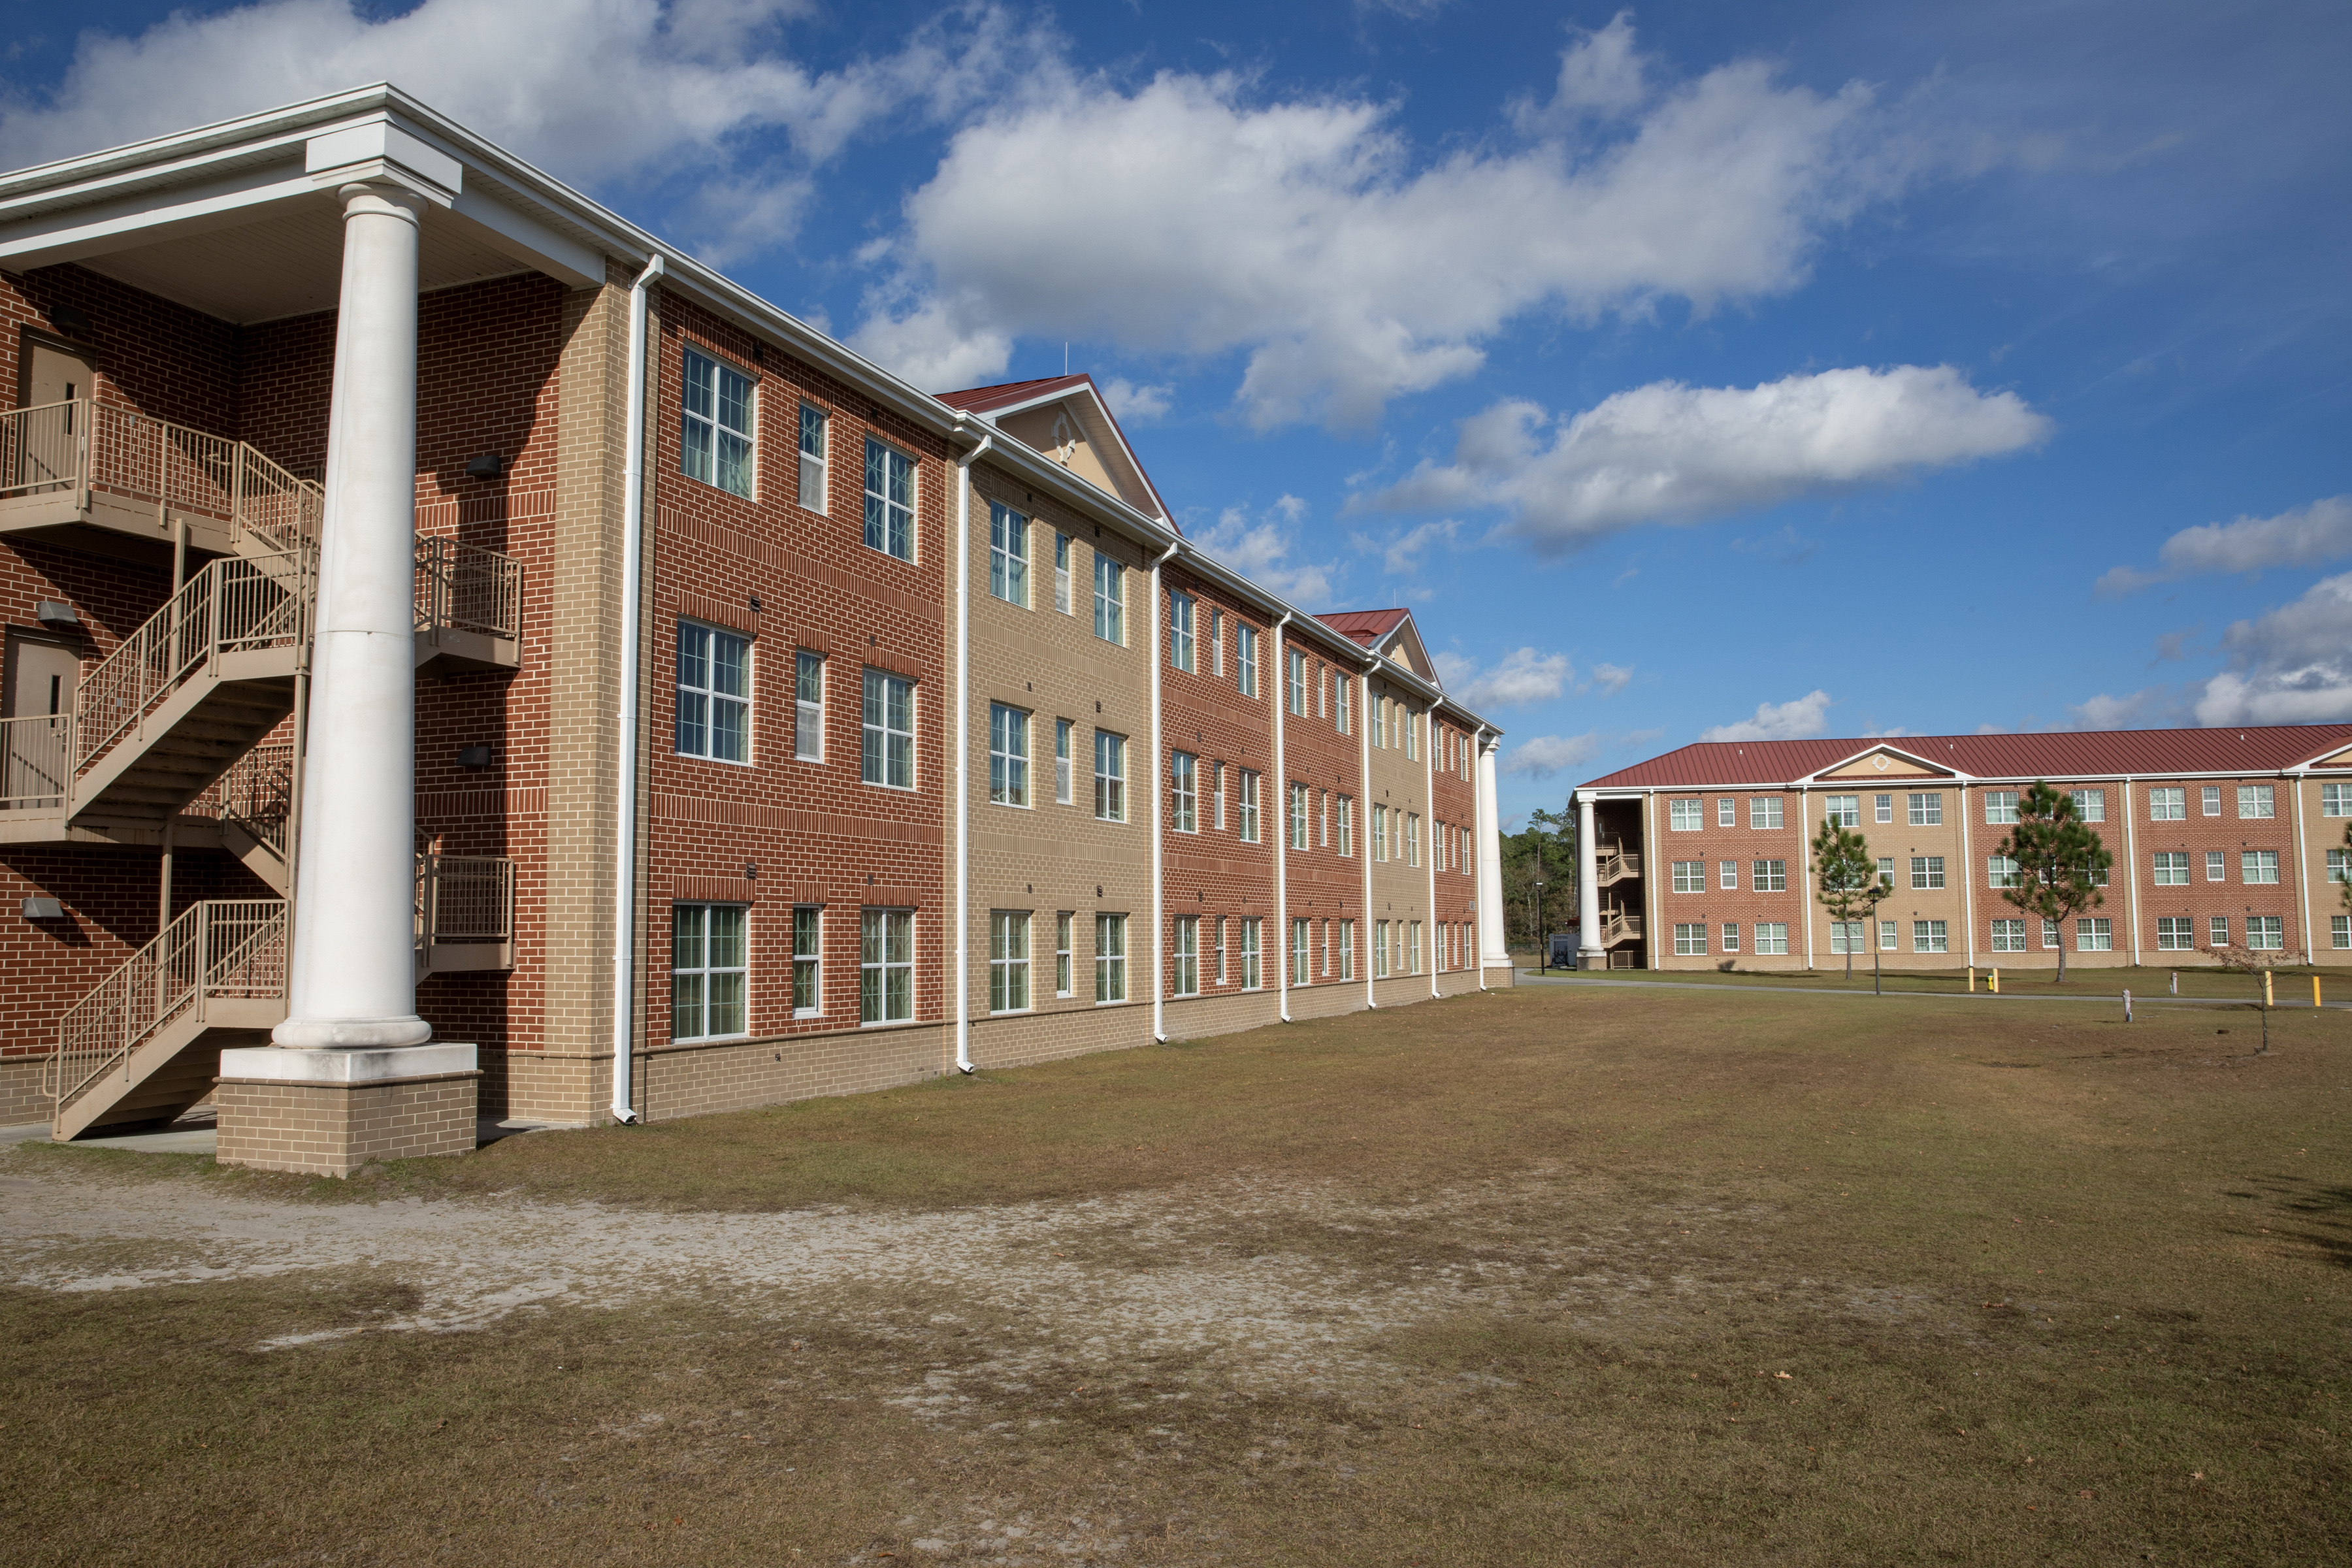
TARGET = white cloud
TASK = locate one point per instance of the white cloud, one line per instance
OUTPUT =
(1519, 678)
(2305, 536)
(1611, 678)
(1137, 404)
(1672, 453)
(592, 89)
(1545, 756)
(1793, 720)
(1400, 556)
(2151, 707)
(1259, 547)
(2290, 666)
(1190, 216)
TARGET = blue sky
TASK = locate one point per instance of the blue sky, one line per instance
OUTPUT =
(1757, 370)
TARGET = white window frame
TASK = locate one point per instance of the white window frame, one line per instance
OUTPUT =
(1185, 955)
(2090, 805)
(1183, 652)
(1110, 599)
(1413, 838)
(2217, 929)
(1771, 938)
(2258, 868)
(1999, 807)
(1247, 805)
(1064, 980)
(1930, 936)
(884, 747)
(2168, 805)
(1926, 808)
(1888, 937)
(2176, 933)
(890, 510)
(727, 451)
(2265, 934)
(816, 435)
(707, 697)
(1062, 728)
(1302, 821)
(1110, 776)
(1061, 573)
(808, 705)
(1008, 961)
(1845, 810)
(1882, 808)
(1245, 659)
(1379, 832)
(1690, 939)
(1926, 873)
(886, 954)
(1110, 960)
(1183, 792)
(1341, 684)
(2258, 803)
(706, 977)
(808, 960)
(1726, 812)
(2211, 796)
(2002, 871)
(1685, 815)
(2335, 800)
(1008, 756)
(1767, 876)
(1008, 555)
(1302, 952)
(1726, 875)
(2339, 932)
(1347, 824)
(1253, 952)
(2009, 936)
(1766, 813)
(2217, 865)
(1689, 876)
(2168, 868)
(1731, 936)
(1346, 950)
(2095, 933)
(1298, 694)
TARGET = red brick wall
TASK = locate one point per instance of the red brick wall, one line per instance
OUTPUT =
(1324, 884)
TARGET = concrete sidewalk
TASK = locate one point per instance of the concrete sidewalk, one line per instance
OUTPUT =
(2112, 998)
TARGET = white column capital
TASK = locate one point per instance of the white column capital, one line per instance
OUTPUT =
(381, 197)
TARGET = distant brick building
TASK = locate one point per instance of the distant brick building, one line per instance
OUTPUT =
(811, 733)
(2229, 839)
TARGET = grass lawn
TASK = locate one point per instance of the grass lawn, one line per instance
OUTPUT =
(2291, 982)
(1663, 1277)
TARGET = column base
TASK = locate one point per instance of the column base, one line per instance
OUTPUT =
(1591, 960)
(328, 1113)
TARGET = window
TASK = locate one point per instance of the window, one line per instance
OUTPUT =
(2265, 934)
(1110, 958)
(1769, 875)
(2050, 935)
(1340, 685)
(2212, 794)
(2090, 805)
(1246, 657)
(1110, 776)
(1413, 838)
(2339, 864)
(1412, 732)
(1181, 654)
(1110, 600)
(2009, 936)
(2258, 866)
(1726, 874)
(1184, 792)
(813, 452)
(1347, 825)
(2167, 806)
(1690, 940)
(1302, 957)
(1008, 554)
(1882, 808)
(1772, 939)
(1246, 786)
(1301, 833)
(1927, 871)
(2217, 931)
(1886, 870)
(1061, 573)
(2001, 871)
(1413, 948)
(2339, 930)
(1217, 789)
(714, 694)
(1683, 816)
(886, 967)
(889, 500)
(808, 958)
(1848, 937)
(1926, 810)
(2095, 933)
(1008, 756)
(1187, 978)
(1347, 949)
(1252, 979)
(1845, 810)
(1221, 950)
(1061, 924)
(1326, 797)
(2335, 800)
(707, 970)
(1299, 683)
(2170, 868)
(1062, 728)
(1887, 936)
(1380, 833)
(1764, 811)
(715, 425)
(808, 705)
(1217, 642)
(1008, 961)
(2257, 802)
(2000, 806)
(1690, 876)
(888, 756)
(1928, 936)
(2175, 933)
(1380, 950)
(2217, 864)
(1726, 812)
(1731, 936)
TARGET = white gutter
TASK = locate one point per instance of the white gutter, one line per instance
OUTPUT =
(625, 831)
(2302, 876)
(1429, 850)
(2131, 854)
(1159, 875)
(1282, 975)
(1968, 872)
(1805, 859)
(964, 754)
(1478, 862)
(1364, 840)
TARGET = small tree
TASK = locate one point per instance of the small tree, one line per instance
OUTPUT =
(1845, 880)
(2061, 863)
(2252, 965)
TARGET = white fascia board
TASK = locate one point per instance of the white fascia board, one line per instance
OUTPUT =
(512, 232)
(147, 215)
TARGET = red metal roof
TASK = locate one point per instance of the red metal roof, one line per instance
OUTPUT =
(1367, 627)
(2095, 753)
(980, 399)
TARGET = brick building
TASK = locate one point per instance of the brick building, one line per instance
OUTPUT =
(2222, 840)
(774, 728)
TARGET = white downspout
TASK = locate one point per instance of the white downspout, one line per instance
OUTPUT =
(1429, 822)
(2302, 877)
(1969, 878)
(1478, 859)
(1364, 840)
(1281, 974)
(633, 567)
(1159, 876)
(2131, 854)
(964, 751)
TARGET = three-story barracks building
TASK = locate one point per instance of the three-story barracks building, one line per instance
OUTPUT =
(465, 658)
(2224, 839)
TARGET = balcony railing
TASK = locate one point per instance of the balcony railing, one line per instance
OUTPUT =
(1614, 863)
(256, 794)
(466, 901)
(467, 588)
(36, 762)
(1617, 925)
(90, 449)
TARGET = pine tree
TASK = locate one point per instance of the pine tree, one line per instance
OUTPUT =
(1845, 880)
(2061, 862)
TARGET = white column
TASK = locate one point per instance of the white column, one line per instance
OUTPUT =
(1590, 954)
(352, 979)
(1493, 948)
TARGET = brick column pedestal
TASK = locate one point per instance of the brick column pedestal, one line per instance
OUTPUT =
(328, 1113)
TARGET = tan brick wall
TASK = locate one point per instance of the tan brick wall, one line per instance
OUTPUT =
(739, 1075)
(22, 1103)
(329, 1130)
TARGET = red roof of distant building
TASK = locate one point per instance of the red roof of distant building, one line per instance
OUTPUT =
(1367, 627)
(2098, 753)
(980, 399)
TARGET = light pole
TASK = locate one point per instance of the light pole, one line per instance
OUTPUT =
(1543, 943)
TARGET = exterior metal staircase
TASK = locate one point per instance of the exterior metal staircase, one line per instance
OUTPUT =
(1614, 863)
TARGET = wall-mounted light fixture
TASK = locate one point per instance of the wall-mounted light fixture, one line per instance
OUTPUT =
(750, 870)
(69, 320)
(44, 909)
(474, 757)
(488, 465)
(56, 614)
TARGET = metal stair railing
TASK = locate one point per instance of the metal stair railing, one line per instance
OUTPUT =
(36, 762)
(42, 448)
(237, 603)
(256, 794)
(96, 447)
(464, 898)
(227, 948)
(467, 588)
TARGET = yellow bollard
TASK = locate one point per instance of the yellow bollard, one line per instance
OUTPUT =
(2267, 1000)
(1972, 979)
(1996, 979)
(2315, 991)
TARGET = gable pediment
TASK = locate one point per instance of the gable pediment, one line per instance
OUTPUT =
(2342, 759)
(1404, 646)
(1885, 762)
